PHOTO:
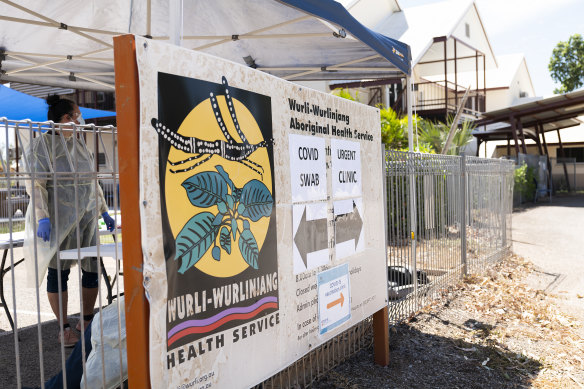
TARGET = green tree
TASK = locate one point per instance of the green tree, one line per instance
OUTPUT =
(346, 94)
(393, 129)
(567, 64)
(434, 135)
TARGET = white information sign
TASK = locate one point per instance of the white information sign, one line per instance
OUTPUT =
(310, 236)
(307, 168)
(346, 167)
(349, 229)
(334, 298)
(249, 185)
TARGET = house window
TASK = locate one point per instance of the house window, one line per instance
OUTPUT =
(571, 152)
(101, 159)
(467, 30)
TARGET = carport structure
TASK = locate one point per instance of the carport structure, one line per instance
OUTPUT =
(532, 120)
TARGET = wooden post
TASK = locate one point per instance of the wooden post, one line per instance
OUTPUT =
(520, 128)
(381, 336)
(445, 80)
(514, 133)
(128, 122)
(455, 76)
(564, 161)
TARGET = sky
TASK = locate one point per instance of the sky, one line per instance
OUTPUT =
(531, 27)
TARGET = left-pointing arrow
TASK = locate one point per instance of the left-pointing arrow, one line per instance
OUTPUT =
(311, 236)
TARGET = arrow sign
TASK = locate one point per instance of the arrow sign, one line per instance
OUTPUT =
(340, 300)
(348, 226)
(311, 236)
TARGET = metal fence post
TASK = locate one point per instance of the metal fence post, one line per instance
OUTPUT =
(463, 196)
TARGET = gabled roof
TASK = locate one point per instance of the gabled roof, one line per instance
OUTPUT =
(418, 26)
(500, 77)
(508, 67)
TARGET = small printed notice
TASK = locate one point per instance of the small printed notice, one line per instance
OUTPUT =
(310, 236)
(348, 227)
(307, 168)
(346, 168)
(334, 298)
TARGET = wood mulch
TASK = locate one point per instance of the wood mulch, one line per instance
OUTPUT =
(489, 331)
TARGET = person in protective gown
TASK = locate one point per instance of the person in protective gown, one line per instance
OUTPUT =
(65, 209)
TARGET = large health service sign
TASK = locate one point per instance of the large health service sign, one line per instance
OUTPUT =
(261, 215)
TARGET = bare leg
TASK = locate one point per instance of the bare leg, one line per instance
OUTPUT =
(54, 302)
(89, 296)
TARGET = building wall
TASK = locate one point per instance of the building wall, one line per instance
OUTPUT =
(477, 38)
(361, 10)
(521, 86)
(498, 99)
(575, 170)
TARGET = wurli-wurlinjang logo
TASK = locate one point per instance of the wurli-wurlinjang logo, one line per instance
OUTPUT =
(217, 208)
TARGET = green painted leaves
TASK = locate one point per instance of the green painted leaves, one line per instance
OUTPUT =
(216, 231)
(205, 189)
(257, 200)
(249, 248)
(195, 239)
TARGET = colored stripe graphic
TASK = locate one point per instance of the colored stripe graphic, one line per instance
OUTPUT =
(220, 322)
(220, 315)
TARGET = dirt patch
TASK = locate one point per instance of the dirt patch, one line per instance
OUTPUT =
(488, 331)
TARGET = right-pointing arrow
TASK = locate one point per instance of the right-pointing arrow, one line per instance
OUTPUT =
(311, 236)
(340, 300)
(348, 226)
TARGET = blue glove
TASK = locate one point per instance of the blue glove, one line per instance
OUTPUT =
(44, 229)
(109, 222)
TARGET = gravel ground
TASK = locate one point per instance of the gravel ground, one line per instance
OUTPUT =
(486, 332)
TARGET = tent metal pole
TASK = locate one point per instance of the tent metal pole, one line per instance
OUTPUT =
(149, 18)
(253, 36)
(333, 67)
(66, 73)
(253, 32)
(412, 181)
(409, 98)
(175, 21)
(52, 25)
(40, 65)
(58, 25)
(80, 57)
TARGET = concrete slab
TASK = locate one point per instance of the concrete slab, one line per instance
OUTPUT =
(551, 235)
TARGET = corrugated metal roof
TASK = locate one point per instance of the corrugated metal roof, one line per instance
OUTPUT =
(40, 90)
(553, 113)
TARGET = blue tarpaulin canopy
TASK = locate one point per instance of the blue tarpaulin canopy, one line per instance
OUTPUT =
(68, 43)
(16, 105)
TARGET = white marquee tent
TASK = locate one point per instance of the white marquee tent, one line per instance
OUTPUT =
(68, 43)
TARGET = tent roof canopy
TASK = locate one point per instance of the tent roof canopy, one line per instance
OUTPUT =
(69, 43)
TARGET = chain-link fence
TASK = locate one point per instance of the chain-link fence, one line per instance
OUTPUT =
(431, 244)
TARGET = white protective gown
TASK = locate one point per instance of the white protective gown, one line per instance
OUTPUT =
(62, 171)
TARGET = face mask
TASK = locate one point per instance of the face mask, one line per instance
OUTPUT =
(81, 120)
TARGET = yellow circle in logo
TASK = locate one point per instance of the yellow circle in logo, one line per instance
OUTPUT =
(200, 123)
